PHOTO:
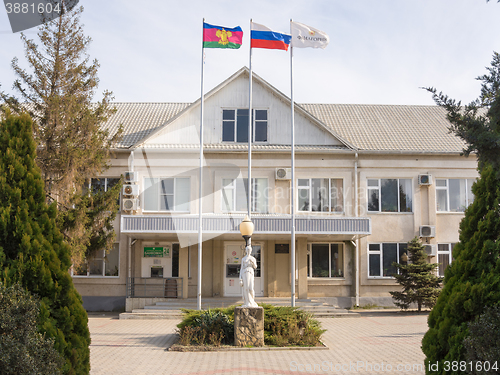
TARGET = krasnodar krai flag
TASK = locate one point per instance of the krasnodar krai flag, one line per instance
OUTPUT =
(221, 37)
(304, 36)
(263, 37)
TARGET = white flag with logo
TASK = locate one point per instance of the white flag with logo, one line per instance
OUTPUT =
(304, 36)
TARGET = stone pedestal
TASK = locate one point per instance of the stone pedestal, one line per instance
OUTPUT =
(249, 326)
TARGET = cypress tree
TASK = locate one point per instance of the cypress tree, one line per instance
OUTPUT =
(33, 252)
(418, 279)
(472, 281)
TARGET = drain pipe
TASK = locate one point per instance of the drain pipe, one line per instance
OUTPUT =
(356, 214)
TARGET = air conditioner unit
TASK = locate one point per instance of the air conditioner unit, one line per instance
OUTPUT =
(130, 190)
(425, 179)
(431, 250)
(130, 204)
(427, 231)
(283, 173)
(131, 177)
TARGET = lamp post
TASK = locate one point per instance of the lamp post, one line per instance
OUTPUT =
(246, 230)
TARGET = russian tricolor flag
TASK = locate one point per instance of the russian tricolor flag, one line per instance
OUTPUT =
(263, 37)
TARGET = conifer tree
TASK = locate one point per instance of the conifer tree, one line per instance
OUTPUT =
(33, 252)
(472, 280)
(23, 350)
(58, 92)
(418, 279)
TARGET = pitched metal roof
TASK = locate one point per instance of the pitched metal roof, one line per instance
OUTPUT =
(141, 119)
(389, 127)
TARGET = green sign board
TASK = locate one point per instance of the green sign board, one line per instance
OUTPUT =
(157, 252)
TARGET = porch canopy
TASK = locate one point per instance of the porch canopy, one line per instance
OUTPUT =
(344, 228)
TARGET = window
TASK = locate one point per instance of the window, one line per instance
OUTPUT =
(320, 194)
(101, 265)
(454, 195)
(381, 256)
(166, 194)
(101, 185)
(444, 256)
(235, 125)
(389, 195)
(325, 260)
(234, 195)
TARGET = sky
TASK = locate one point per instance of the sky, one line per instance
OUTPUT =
(380, 52)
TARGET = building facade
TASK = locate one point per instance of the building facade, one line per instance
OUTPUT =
(369, 178)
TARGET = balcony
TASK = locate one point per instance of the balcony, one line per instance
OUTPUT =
(264, 224)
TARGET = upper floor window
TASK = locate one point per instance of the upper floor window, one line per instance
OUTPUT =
(234, 195)
(389, 195)
(235, 125)
(454, 195)
(381, 257)
(101, 185)
(166, 194)
(320, 194)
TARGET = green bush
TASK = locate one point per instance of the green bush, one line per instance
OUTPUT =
(207, 327)
(482, 344)
(289, 326)
(283, 326)
(22, 349)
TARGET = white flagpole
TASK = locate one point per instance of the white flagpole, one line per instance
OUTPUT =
(200, 195)
(293, 176)
(249, 182)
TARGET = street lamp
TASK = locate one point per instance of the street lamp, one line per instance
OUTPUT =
(246, 230)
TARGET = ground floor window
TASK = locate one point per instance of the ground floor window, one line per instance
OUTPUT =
(381, 257)
(101, 264)
(445, 256)
(325, 260)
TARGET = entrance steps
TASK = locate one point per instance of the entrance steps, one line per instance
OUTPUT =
(318, 307)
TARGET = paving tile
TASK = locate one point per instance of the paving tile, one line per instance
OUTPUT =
(364, 345)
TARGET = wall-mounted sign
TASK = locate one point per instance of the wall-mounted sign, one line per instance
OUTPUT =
(157, 252)
(283, 248)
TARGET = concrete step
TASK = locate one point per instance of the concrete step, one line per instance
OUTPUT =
(167, 311)
(155, 315)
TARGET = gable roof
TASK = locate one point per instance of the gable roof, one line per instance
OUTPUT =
(245, 72)
(377, 128)
(139, 120)
(390, 127)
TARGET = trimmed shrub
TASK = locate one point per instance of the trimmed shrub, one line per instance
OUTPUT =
(283, 326)
(22, 349)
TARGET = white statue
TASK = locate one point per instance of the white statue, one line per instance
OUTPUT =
(248, 264)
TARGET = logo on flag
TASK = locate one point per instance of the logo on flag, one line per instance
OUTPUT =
(221, 37)
(304, 36)
(263, 37)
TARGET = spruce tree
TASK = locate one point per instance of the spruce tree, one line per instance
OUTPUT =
(58, 91)
(33, 252)
(418, 279)
(472, 280)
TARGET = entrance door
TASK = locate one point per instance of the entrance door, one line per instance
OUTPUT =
(233, 253)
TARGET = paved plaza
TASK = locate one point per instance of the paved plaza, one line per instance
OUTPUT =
(369, 344)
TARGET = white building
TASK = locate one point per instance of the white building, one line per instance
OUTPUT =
(369, 179)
